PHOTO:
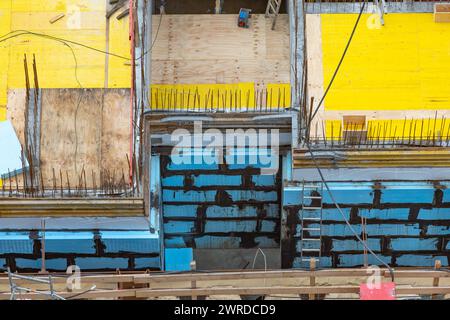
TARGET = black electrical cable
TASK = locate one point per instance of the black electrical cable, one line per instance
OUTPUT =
(340, 62)
(391, 271)
(17, 33)
(43, 35)
(154, 40)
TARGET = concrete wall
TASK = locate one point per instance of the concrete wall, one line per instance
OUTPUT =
(408, 224)
(101, 250)
(219, 206)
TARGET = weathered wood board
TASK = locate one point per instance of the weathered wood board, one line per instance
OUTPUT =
(81, 128)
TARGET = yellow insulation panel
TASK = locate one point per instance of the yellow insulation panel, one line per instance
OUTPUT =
(279, 95)
(57, 5)
(5, 25)
(420, 128)
(388, 129)
(58, 66)
(333, 129)
(218, 96)
(402, 65)
(119, 70)
(203, 95)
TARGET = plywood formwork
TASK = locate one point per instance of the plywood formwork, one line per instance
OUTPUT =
(194, 49)
(81, 129)
(188, 49)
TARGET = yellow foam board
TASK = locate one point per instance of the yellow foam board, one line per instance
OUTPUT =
(402, 65)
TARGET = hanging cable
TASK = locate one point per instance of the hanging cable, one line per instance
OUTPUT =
(43, 35)
(154, 40)
(17, 33)
(391, 271)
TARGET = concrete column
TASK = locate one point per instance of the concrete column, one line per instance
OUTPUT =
(297, 45)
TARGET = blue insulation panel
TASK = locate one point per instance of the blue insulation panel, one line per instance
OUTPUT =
(227, 207)
(438, 230)
(174, 242)
(173, 181)
(69, 242)
(192, 166)
(179, 227)
(446, 195)
(355, 245)
(386, 214)
(3, 265)
(36, 264)
(178, 259)
(405, 222)
(130, 241)
(231, 212)
(174, 211)
(188, 196)
(95, 263)
(325, 262)
(216, 180)
(264, 180)
(420, 260)
(351, 260)
(434, 214)
(147, 263)
(372, 229)
(292, 196)
(251, 195)
(414, 244)
(265, 242)
(15, 242)
(230, 226)
(349, 195)
(403, 194)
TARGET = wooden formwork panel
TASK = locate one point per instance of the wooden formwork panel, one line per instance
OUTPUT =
(81, 128)
(212, 49)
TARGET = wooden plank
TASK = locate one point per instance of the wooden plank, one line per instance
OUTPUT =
(282, 274)
(148, 293)
(71, 207)
(196, 49)
(241, 275)
(56, 18)
(441, 12)
(246, 291)
(115, 124)
(101, 140)
(312, 279)
(437, 266)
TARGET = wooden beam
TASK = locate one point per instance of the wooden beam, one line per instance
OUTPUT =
(239, 275)
(72, 207)
(442, 12)
(437, 266)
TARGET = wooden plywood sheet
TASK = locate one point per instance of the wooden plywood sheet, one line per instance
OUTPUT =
(212, 49)
(115, 131)
(99, 142)
(71, 132)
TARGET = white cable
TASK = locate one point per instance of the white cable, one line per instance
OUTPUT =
(265, 261)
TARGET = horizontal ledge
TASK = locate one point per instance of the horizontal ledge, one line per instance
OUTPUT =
(142, 293)
(244, 275)
(71, 207)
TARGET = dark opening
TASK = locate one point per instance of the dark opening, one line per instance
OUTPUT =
(208, 6)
